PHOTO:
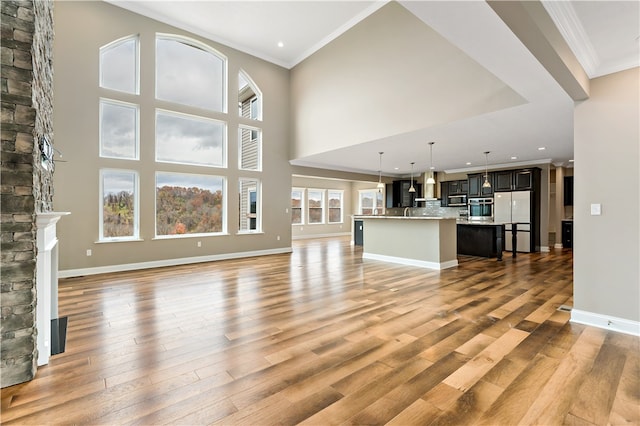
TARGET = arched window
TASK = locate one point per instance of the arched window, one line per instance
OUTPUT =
(119, 68)
(190, 73)
(249, 98)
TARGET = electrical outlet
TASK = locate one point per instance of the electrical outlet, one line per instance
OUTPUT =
(286, 210)
(89, 252)
(199, 243)
(278, 238)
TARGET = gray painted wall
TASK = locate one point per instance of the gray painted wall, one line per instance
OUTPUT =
(607, 163)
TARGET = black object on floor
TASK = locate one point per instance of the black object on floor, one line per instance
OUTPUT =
(58, 335)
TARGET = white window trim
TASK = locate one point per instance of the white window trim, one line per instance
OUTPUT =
(137, 129)
(256, 91)
(341, 192)
(375, 204)
(136, 208)
(323, 207)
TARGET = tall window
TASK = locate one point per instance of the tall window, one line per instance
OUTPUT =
(370, 201)
(297, 204)
(249, 98)
(249, 205)
(315, 205)
(335, 206)
(119, 217)
(249, 150)
(189, 204)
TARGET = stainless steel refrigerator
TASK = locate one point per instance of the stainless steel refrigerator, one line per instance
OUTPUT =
(514, 207)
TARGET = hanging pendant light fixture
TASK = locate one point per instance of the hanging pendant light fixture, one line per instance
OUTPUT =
(486, 183)
(430, 179)
(411, 188)
(380, 184)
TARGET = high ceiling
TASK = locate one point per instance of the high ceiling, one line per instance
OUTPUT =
(603, 35)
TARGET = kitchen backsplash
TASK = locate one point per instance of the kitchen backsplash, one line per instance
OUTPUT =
(431, 208)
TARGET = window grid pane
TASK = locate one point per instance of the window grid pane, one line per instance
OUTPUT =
(296, 207)
(188, 139)
(119, 130)
(189, 204)
(119, 66)
(249, 206)
(250, 152)
(316, 206)
(189, 75)
(335, 206)
(119, 204)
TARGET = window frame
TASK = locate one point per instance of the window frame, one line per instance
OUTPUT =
(223, 208)
(136, 206)
(329, 208)
(257, 141)
(321, 208)
(136, 107)
(378, 196)
(301, 208)
(257, 189)
(113, 44)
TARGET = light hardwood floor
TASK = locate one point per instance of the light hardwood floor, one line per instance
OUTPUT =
(321, 337)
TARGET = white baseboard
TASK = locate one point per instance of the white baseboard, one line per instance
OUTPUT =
(557, 245)
(68, 273)
(410, 262)
(544, 249)
(606, 322)
(309, 236)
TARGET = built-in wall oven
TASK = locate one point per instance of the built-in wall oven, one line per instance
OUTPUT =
(480, 209)
(457, 200)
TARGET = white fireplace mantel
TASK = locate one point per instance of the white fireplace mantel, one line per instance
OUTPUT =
(46, 280)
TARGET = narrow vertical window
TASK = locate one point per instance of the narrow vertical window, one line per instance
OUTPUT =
(249, 149)
(249, 98)
(119, 130)
(189, 204)
(119, 65)
(335, 206)
(296, 206)
(249, 205)
(315, 200)
(118, 205)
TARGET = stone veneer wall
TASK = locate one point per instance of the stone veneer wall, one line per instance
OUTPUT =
(26, 186)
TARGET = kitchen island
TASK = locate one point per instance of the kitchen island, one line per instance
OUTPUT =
(424, 241)
(480, 238)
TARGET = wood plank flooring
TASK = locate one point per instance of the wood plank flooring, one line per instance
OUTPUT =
(322, 337)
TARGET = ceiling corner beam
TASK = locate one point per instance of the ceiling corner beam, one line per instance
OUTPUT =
(531, 23)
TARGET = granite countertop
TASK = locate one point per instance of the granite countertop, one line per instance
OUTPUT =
(403, 217)
(479, 222)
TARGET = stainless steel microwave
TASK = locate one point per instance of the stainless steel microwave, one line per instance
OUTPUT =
(457, 200)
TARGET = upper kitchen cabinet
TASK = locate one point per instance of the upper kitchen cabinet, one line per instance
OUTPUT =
(458, 187)
(401, 195)
(516, 180)
(475, 185)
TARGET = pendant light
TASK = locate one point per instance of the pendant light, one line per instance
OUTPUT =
(411, 188)
(486, 183)
(380, 184)
(430, 179)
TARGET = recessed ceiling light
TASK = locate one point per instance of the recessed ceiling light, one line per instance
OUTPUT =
(571, 161)
(396, 168)
(514, 157)
(468, 163)
(542, 148)
(280, 44)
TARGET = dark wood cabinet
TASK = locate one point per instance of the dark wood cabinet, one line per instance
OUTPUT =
(458, 187)
(515, 180)
(568, 190)
(444, 194)
(475, 182)
(401, 195)
(567, 234)
(358, 232)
